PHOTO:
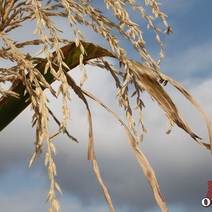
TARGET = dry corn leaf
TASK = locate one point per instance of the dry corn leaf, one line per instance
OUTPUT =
(91, 151)
(141, 158)
(149, 79)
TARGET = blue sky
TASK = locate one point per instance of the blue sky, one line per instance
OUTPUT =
(182, 167)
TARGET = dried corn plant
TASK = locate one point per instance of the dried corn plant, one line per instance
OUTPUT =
(30, 75)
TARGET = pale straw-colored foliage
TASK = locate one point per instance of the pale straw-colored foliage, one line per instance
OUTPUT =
(14, 13)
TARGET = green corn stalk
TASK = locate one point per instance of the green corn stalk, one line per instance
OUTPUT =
(11, 107)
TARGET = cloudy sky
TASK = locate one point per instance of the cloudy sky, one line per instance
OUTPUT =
(182, 167)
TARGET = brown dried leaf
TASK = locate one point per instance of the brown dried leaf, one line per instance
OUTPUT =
(149, 79)
(142, 160)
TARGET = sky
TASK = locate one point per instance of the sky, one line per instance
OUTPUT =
(182, 167)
